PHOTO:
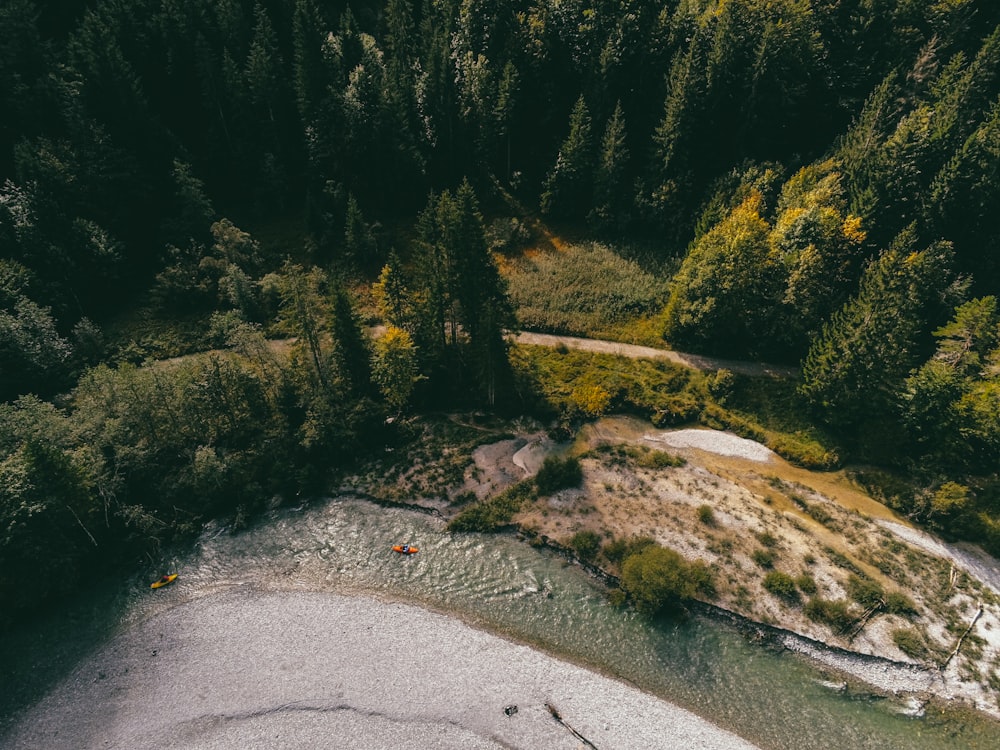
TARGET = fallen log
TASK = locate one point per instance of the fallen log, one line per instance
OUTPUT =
(961, 640)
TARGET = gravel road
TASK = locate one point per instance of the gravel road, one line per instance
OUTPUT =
(318, 670)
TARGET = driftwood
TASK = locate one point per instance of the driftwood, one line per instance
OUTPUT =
(860, 623)
(961, 640)
(557, 717)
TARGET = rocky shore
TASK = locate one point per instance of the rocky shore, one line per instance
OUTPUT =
(762, 507)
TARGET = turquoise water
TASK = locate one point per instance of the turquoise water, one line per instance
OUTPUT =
(774, 700)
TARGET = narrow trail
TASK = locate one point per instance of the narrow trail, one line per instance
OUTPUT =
(694, 361)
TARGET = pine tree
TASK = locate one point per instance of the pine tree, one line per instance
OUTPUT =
(610, 193)
(352, 353)
(567, 189)
(855, 369)
(308, 35)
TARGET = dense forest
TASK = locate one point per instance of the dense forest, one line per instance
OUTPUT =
(820, 173)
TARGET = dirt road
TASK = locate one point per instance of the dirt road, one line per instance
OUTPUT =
(695, 361)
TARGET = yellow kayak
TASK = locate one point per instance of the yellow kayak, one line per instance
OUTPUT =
(170, 578)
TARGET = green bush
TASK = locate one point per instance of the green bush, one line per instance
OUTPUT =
(898, 603)
(806, 584)
(657, 578)
(834, 613)
(586, 543)
(781, 585)
(618, 549)
(865, 591)
(558, 474)
(764, 558)
(495, 512)
(721, 385)
(706, 515)
(703, 578)
(910, 642)
(660, 460)
(768, 539)
(677, 409)
(617, 597)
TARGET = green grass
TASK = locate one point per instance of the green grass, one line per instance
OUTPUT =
(589, 289)
(782, 417)
(577, 384)
(910, 642)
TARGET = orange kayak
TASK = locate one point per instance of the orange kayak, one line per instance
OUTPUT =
(163, 581)
(405, 549)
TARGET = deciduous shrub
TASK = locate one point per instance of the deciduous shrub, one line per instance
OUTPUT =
(781, 585)
(587, 544)
(865, 591)
(835, 613)
(910, 642)
(660, 460)
(618, 549)
(706, 515)
(495, 512)
(658, 577)
(806, 584)
(763, 557)
(898, 603)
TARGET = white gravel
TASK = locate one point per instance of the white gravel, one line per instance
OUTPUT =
(714, 441)
(309, 670)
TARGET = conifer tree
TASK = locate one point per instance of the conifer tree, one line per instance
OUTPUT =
(855, 368)
(310, 80)
(567, 189)
(352, 353)
(610, 193)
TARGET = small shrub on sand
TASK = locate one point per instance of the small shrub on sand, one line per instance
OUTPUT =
(835, 613)
(898, 603)
(706, 515)
(865, 591)
(910, 642)
(806, 584)
(764, 558)
(781, 585)
(660, 460)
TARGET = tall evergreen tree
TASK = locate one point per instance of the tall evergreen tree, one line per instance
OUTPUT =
(352, 353)
(611, 194)
(855, 368)
(567, 189)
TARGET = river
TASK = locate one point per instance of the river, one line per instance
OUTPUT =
(773, 700)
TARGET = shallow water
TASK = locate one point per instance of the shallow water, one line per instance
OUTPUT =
(774, 700)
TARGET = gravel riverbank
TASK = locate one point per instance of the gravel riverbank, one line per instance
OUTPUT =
(283, 670)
